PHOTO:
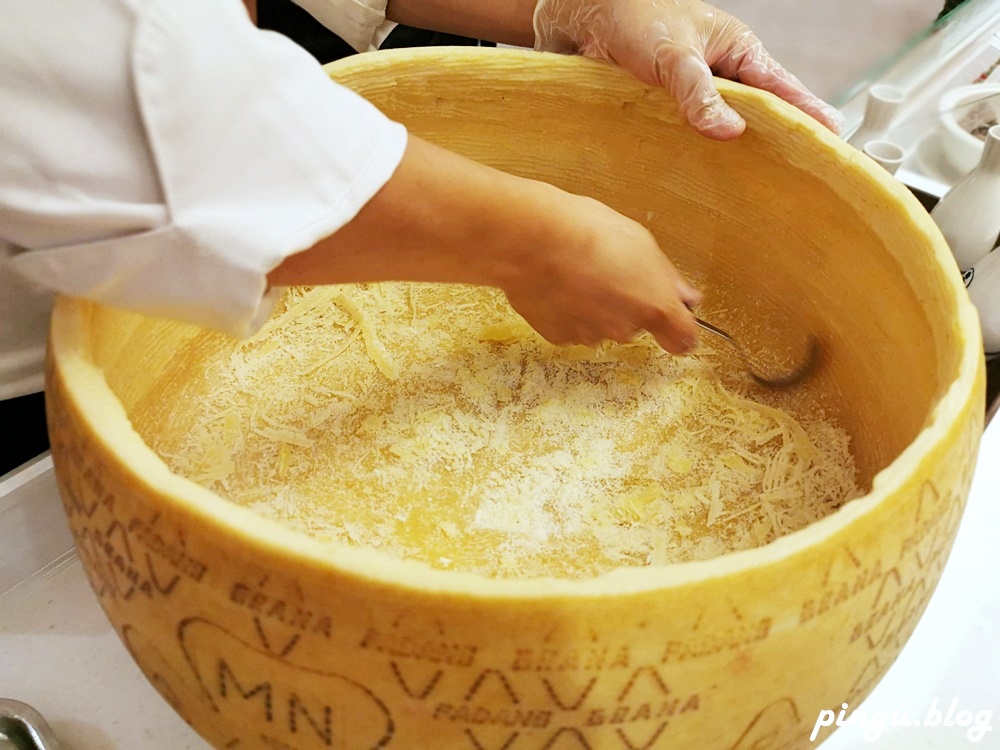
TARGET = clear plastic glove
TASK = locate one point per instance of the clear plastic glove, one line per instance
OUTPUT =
(676, 44)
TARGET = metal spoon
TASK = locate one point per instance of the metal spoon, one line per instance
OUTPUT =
(784, 380)
(25, 727)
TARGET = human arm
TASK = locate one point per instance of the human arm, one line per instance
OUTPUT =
(576, 270)
(502, 21)
(677, 44)
(251, 6)
(141, 183)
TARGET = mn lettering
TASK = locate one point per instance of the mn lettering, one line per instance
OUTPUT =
(288, 711)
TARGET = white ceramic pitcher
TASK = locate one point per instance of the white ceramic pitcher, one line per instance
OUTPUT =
(983, 282)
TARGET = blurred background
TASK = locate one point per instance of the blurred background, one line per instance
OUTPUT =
(832, 44)
(829, 45)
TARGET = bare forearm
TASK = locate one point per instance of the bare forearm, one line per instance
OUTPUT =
(441, 217)
(504, 21)
(576, 270)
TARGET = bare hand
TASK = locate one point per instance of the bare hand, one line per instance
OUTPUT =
(606, 280)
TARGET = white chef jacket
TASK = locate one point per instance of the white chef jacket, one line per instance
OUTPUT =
(164, 156)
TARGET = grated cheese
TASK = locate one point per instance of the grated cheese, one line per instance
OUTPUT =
(376, 349)
(431, 422)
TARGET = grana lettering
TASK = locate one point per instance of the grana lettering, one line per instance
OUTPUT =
(596, 658)
(656, 710)
(293, 615)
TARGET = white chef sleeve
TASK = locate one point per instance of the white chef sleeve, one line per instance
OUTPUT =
(354, 21)
(244, 153)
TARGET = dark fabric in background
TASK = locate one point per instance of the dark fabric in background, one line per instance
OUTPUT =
(949, 6)
(22, 430)
(289, 19)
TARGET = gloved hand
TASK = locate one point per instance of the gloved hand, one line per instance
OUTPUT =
(676, 44)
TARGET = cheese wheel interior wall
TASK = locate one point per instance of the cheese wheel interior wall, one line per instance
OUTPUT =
(774, 246)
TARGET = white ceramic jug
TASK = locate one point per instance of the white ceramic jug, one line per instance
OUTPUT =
(983, 282)
(969, 214)
(880, 107)
(886, 154)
